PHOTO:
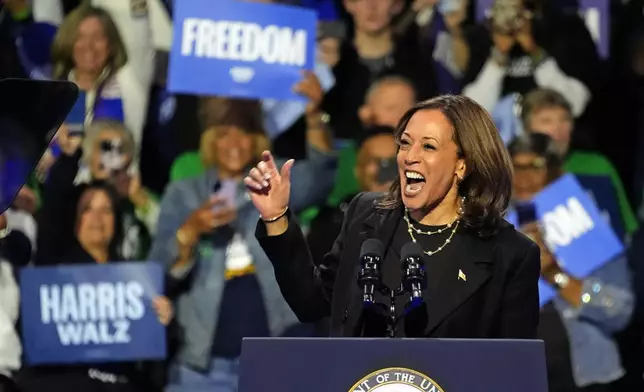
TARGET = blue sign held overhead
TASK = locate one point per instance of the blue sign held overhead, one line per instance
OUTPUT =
(91, 313)
(241, 49)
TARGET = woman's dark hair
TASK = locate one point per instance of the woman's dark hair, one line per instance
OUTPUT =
(541, 145)
(487, 184)
(110, 191)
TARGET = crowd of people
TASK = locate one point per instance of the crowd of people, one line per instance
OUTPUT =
(158, 177)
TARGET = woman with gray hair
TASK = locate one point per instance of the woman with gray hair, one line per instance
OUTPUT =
(106, 152)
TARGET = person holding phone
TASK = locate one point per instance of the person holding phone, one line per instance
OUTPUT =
(525, 44)
(105, 152)
(578, 325)
(206, 238)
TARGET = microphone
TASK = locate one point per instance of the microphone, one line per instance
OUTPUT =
(370, 276)
(413, 267)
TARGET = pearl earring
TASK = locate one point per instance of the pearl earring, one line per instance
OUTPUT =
(461, 207)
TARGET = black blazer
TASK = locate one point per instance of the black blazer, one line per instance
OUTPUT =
(499, 299)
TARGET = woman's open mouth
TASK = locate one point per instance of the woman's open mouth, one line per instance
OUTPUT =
(414, 183)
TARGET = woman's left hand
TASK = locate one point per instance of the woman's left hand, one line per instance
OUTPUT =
(137, 195)
(311, 88)
(164, 309)
(548, 261)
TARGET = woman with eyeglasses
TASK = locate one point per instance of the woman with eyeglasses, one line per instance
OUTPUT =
(105, 152)
(577, 326)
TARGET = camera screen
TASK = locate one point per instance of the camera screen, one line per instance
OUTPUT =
(30, 113)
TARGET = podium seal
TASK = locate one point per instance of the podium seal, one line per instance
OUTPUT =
(396, 380)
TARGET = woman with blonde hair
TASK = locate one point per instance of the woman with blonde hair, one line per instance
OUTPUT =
(89, 51)
(205, 237)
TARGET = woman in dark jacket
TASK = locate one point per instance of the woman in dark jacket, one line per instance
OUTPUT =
(454, 183)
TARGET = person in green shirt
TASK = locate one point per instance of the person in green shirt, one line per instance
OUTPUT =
(547, 111)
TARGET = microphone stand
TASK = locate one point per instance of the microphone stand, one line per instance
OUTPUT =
(392, 318)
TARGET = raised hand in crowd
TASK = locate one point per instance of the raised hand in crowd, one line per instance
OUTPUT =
(270, 187)
(317, 132)
(454, 19)
(130, 186)
(532, 231)
(502, 44)
(329, 49)
(211, 215)
(311, 88)
(26, 200)
(525, 38)
(69, 143)
(164, 309)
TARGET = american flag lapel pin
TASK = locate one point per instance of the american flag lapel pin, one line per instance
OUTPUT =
(461, 276)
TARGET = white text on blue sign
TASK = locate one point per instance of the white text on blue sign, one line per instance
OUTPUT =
(248, 42)
(92, 313)
(566, 223)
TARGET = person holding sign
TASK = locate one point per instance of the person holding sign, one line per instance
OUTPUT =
(92, 236)
(453, 185)
(547, 111)
(578, 324)
(205, 237)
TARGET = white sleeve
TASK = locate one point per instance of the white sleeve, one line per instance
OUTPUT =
(49, 11)
(10, 348)
(161, 25)
(548, 74)
(24, 222)
(486, 88)
(136, 33)
(135, 102)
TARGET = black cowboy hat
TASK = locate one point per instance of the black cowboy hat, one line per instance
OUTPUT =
(30, 113)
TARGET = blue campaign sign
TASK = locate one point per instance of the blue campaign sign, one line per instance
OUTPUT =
(75, 120)
(601, 189)
(91, 313)
(512, 217)
(575, 230)
(240, 49)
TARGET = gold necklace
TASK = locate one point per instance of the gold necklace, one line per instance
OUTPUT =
(411, 229)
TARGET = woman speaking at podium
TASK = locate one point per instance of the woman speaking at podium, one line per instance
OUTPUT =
(454, 185)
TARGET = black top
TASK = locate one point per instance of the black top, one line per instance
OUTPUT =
(562, 35)
(497, 299)
(392, 269)
(242, 315)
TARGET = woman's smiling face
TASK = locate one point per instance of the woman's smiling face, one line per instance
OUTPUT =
(429, 163)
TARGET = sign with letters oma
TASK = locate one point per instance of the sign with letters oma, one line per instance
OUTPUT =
(240, 49)
(574, 230)
(91, 313)
(396, 380)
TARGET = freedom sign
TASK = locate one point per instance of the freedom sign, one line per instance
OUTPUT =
(574, 229)
(91, 313)
(240, 49)
(596, 14)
